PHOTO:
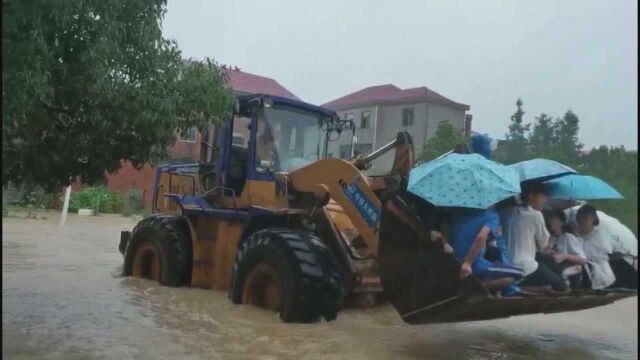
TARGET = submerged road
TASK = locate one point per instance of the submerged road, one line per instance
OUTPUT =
(63, 298)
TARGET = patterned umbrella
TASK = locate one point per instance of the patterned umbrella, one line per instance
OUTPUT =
(463, 180)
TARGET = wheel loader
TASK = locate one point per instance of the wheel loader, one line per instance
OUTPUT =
(279, 225)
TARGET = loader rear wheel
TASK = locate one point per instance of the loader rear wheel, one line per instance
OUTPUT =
(160, 250)
(288, 271)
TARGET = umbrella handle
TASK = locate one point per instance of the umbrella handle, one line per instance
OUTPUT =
(443, 155)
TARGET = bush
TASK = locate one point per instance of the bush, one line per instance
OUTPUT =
(27, 196)
(135, 199)
(127, 211)
(98, 198)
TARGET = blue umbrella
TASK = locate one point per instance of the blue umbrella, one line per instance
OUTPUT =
(541, 169)
(581, 187)
(463, 180)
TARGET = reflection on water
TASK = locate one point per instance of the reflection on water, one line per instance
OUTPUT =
(63, 298)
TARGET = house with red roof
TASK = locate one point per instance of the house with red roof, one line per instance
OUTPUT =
(187, 147)
(380, 112)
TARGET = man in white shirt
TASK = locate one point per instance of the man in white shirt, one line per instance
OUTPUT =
(528, 235)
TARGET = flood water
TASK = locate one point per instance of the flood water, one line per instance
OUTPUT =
(63, 298)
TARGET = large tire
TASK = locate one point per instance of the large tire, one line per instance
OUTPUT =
(306, 271)
(160, 249)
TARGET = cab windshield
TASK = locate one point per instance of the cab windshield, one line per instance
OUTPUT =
(288, 139)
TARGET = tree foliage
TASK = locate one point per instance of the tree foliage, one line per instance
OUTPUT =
(89, 83)
(542, 139)
(567, 138)
(516, 144)
(548, 138)
(445, 140)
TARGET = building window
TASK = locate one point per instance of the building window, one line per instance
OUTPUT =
(407, 117)
(188, 135)
(348, 116)
(239, 139)
(365, 119)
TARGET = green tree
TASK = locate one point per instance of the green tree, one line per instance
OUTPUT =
(88, 83)
(445, 140)
(515, 147)
(542, 140)
(568, 144)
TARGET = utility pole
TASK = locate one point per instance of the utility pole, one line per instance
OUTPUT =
(65, 207)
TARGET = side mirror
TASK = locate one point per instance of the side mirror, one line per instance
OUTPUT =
(266, 164)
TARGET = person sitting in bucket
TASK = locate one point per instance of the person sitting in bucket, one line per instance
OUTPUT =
(470, 230)
(566, 250)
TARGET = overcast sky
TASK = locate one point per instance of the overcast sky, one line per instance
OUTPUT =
(555, 55)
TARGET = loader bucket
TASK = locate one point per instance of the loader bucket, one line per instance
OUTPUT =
(422, 281)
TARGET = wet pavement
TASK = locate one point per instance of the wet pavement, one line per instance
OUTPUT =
(63, 298)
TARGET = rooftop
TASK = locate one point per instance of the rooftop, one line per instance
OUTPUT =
(244, 83)
(391, 94)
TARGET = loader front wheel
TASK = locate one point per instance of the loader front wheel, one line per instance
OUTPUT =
(147, 262)
(287, 271)
(160, 250)
(262, 288)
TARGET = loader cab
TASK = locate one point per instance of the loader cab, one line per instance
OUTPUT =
(264, 138)
(268, 136)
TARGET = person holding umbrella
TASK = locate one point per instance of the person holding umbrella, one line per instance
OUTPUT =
(497, 247)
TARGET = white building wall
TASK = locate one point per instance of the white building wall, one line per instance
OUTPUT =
(438, 113)
(388, 123)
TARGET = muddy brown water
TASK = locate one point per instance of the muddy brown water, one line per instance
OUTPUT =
(63, 298)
